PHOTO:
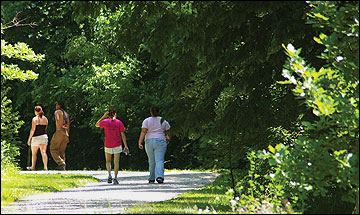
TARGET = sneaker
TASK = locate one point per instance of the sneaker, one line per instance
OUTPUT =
(115, 181)
(109, 179)
(60, 167)
(160, 180)
(29, 168)
(151, 181)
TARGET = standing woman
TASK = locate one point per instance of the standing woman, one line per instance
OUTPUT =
(38, 137)
(114, 128)
(153, 129)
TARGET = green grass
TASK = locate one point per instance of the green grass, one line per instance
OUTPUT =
(189, 203)
(211, 197)
(16, 186)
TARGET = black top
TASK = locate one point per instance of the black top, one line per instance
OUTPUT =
(39, 130)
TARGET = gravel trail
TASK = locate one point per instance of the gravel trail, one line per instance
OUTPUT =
(101, 197)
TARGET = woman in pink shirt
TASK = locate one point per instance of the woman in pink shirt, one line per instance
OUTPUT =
(114, 128)
(153, 130)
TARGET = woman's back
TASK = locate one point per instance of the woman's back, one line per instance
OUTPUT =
(40, 120)
(156, 130)
(113, 129)
(40, 125)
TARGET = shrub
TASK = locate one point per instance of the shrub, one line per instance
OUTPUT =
(322, 159)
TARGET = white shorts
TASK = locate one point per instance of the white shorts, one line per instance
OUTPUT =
(115, 150)
(38, 140)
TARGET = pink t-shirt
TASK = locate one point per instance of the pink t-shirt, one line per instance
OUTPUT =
(113, 129)
(155, 130)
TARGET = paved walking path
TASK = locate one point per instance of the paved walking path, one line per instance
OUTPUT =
(101, 197)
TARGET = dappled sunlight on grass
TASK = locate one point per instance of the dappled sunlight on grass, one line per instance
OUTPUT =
(186, 203)
(210, 198)
(18, 186)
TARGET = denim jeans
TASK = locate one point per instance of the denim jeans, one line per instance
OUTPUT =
(155, 150)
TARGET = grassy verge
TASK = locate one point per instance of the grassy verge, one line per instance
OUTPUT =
(209, 199)
(16, 186)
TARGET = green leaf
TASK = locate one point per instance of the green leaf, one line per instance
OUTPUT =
(318, 15)
(271, 149)
(318, 40)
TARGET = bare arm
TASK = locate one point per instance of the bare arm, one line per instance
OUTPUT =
(31, 131)
(167, 133)
(103, 117)
(123, 137)
(68, 124)
(142, 136)
(47, 123)
(168, 136)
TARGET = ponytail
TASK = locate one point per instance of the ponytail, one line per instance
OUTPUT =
(39, 110)
(111, 113)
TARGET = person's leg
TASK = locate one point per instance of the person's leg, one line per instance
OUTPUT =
(34, 150)
(151, 158)
(54, 148)
(108, 162)
(116, 167)
(159, 152)
(62, 149)
(116, 164)
(63, 145)
(44, 156)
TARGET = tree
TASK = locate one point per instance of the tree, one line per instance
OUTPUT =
(220, 62)
(215, 78)
(90, 76)
(10, 122)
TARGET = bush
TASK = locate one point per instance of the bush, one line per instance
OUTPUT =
(10, 124)
(321, 160)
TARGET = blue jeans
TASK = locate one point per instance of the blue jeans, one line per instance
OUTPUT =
(155, 150)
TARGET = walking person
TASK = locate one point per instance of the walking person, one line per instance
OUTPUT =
(38, 138)
(60, 138)
(114, 128)
(155, 130)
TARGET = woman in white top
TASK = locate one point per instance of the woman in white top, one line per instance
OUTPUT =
(156, 137)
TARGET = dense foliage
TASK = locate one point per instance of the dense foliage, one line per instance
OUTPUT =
(217, 73)
(10, 122)
(215, 70)
(322, 159)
